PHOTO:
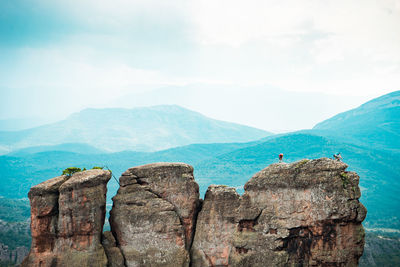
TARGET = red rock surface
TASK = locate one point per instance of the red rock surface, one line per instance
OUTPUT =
(154, 214)
(67, 217)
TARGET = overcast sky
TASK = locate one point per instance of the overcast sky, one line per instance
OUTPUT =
(231, 60)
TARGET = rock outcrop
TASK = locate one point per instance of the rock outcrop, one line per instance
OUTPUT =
(154, 213)
(67, 218)
(12, 257)
(215, 227)
(113, 252)
(302, 214)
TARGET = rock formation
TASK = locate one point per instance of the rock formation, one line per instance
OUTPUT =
(12, 257)
(114, 255)
(67, 217)
(154, 213)
(215, 227)
(302, 214)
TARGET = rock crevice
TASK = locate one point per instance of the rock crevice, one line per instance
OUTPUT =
(302, 214)
(154, 214)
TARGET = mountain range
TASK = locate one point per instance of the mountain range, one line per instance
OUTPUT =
(137, 129)
(374, 124)
(367, 137)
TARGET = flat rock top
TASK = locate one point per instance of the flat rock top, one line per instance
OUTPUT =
(218, 187)
(303, 173)
(153, 168)
(87, 179)
(221, 189)
(158, 171)
(48, 186)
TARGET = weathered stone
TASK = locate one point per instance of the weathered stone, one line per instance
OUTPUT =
(301, 214)
(44, 217)
(114, 255)
(67, 217)
(215, 226)
(82, 209)
(173, 182)
(154, 213)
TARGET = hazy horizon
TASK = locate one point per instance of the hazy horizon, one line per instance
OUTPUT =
(295, 119)
(275, 65)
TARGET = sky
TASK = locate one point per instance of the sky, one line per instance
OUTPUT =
(276, 65)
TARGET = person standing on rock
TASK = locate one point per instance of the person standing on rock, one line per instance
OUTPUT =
(280, 157)
(338, 157)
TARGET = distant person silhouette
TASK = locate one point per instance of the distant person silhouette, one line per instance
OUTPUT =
(337, 157)
(280, 157)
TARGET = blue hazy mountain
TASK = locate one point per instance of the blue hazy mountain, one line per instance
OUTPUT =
(20, 124)
(230, 164)
(68, 147)
(379, 170)
(138, 129)
(371, 156)
(374, 124)
(367, 137)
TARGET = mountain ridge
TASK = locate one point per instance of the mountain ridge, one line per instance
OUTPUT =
(232, 163)
(375, 123)
(137, 129)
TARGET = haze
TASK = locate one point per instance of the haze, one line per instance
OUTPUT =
(275, 65)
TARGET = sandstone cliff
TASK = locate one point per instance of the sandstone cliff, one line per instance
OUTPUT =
(67, 217)
(154, 213)
(301, 214)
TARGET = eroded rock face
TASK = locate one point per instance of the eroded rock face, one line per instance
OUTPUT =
(44, 218)
(114, 255)
(67, 218)
(301, 214)
(215, 227)
(82, 209)
(154, 213)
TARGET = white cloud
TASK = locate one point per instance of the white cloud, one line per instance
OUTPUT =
(332, 46)
(346, 46)
(355, 22)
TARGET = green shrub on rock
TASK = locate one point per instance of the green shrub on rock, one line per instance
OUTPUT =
(70, 171)
(97, 168)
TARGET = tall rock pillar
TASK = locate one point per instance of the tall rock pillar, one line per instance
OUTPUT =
(67, 217)
(154, 213)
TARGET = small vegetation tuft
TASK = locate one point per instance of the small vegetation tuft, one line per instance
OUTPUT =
(97, 168)
(301, 163)
(70, 171)
(345, 179)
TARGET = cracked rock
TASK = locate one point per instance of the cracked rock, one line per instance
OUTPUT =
(67, 218)
(302, 214)
(154, 213)
(305, 213)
